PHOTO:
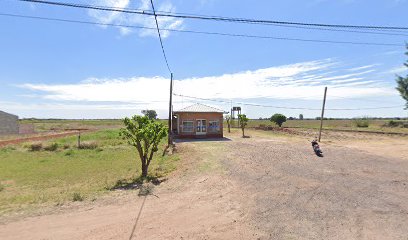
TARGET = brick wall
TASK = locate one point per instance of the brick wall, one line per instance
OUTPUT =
(8, 123)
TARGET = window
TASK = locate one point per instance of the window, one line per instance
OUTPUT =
(214, 126)
(188, 126)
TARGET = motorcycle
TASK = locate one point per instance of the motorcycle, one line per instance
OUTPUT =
(316, 148)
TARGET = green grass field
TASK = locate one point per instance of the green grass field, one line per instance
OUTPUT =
(32, 178)
(374, 125)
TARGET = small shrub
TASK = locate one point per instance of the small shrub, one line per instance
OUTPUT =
(77, 197)
(393, 123)
(1, 187)
(52, 147)
(66, 146)
(69, 152)
(361, 122)
(36, 146)
(88, 145)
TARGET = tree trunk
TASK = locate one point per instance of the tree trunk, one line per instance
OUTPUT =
(229, 128)
(243, 132)
(144, 169)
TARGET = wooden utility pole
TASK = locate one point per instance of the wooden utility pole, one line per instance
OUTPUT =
(322, 116)
(170, 137)
(79, 139)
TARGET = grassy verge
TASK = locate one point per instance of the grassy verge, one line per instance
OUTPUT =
(54, 176)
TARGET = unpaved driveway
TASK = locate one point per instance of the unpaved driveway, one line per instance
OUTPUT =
(348, 194)
(264, 187)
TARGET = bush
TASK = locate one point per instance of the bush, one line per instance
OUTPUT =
(88, 145)
(52, 147)
(66, 146)
(36, 146)
(393, 123)
(278, 119)
(1, 187)
(361, 122)
(77, 197)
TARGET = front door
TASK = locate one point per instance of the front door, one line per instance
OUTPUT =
(201, 128)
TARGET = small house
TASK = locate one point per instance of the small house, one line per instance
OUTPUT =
(198, 121)
(8, 123)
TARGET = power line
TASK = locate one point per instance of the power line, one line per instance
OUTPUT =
(147, 12)
(216, 18)
(160, 38)
(202, 32)
(292, 108)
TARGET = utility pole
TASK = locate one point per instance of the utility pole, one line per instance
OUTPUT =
(322, 116)
(170, 139)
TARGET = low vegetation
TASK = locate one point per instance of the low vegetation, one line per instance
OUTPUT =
(393, 123)
(37, 146)
(51, 147)
(362, 122)
(32, 178)
(88, 145)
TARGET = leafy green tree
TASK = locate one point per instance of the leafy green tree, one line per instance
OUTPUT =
(278, 119)
(300, 116)
(228, 120)
(243, 121)
(145, 134)
(152, 114)
(403, 84)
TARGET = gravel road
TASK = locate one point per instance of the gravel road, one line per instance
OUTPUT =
(293, 194)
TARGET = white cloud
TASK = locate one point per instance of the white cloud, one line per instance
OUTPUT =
(296, 81)
(398, 70)
(137, 19)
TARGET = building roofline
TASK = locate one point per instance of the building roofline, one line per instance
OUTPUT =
(209, 109)
(8, 113)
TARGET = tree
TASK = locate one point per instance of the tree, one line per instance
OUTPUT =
(145, 134)
(243, 121)
(300, 116)
(403, 84)
(228, 119)
(278, 119)
(150, 113)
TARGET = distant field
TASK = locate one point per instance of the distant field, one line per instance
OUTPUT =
(374, 125)
(30, 178)
(41, 125)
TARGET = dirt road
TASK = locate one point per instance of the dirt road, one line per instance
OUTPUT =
(264, 187)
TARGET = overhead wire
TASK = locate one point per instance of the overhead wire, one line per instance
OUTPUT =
(202, 32)
(292, 108)
(215, 18)
(160, 38)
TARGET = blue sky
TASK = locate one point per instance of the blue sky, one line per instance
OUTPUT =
(67, 70)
